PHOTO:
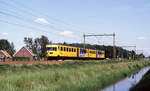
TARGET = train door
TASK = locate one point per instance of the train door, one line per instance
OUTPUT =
(77, 52)
(96, 54)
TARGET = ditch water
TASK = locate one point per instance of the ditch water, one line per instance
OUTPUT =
(128, 82)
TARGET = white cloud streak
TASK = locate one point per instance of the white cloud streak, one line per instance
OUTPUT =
(41, 21)
(4, 34)
(141, 38)
(67, 33)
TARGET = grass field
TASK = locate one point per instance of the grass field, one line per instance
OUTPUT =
(77, 76)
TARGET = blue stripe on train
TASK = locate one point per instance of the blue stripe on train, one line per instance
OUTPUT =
(82, 54)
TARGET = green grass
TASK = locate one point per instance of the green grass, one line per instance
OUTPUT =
(77, 76)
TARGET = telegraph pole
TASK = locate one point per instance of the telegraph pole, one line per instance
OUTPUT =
(113, 35)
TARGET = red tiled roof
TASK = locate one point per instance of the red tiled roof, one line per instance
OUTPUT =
(5, 53)
(27, 50)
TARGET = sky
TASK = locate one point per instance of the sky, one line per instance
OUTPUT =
(68, 20)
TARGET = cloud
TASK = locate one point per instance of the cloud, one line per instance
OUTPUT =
(4, 34)
(141, 38)
(66, 33)
(41, 21)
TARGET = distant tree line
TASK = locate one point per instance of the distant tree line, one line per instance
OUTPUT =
(38, 47)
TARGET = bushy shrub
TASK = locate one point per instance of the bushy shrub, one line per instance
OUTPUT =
(20, 58)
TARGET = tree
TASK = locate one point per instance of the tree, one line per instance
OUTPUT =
(38, 45)
(65, 43)
(12, 50)
(6, 45)
(43, 42)
(29, 43)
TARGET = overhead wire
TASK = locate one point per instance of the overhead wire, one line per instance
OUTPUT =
(21, 18)
(31, 13)
(24, 25)
(41, 13)
(28, 11)
(31, 10)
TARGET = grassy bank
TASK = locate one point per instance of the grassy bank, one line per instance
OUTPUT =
(144, 84)
(78, 76)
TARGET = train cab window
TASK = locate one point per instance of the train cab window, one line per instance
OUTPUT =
(52, 48)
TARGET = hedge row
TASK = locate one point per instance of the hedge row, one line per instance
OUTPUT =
(20, 58)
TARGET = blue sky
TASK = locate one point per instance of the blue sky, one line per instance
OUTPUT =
(67, 20)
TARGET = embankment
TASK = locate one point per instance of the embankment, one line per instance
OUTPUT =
(144, 84)
(77, 76)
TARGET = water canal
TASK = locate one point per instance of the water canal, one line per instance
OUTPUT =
(128, 82)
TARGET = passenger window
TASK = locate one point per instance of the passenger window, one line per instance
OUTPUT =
(64, 49)
(69, 49)
(61, 49)
(72, 49)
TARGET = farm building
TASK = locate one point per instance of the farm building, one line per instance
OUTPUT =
(25, 52)
(4, 55)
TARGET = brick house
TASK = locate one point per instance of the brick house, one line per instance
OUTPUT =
(4, 55)
(25, 52)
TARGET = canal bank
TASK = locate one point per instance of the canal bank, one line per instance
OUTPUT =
(144, 84)
(127, 83)
(77, 76)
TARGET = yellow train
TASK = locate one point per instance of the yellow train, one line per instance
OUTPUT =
(63, 52)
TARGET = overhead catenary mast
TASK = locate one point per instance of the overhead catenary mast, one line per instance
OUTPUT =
(113, 35)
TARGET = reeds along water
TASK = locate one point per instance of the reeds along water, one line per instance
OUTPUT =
(78, 76)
